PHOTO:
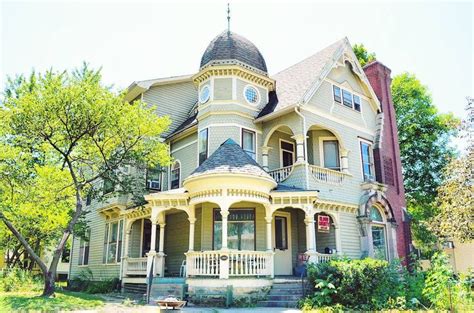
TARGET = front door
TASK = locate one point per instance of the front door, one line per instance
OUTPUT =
(282, 243)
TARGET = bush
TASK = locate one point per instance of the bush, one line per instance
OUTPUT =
(17, 279)
(85, 282)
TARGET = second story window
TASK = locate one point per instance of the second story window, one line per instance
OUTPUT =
(357, 103)
(331, 154)
(337, 93)
(203, 145)
(347, 98)
(248, 142)
(108, 186)
(287, 153)
(366, 157)
(153, 178)
(175, 175)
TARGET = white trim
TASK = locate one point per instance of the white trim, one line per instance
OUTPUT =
(184, 146)
(259, 97)
(338, 120)
(321, 149)
(249, 107)
(333, 82)
(371, 157)
(212, 88)
(234, 125)
(142, 226)
(242, 142)
(117, 259)
(200, 94)
(289, 249)
(281, 150)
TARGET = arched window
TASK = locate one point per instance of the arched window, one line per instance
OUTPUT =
(379, 234)
(175, 176)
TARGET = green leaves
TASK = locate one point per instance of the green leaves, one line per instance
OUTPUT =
(362, 55)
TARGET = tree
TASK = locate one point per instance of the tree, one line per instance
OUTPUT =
(455, 199)
(424, 135)
(66, 132)
(362, 55)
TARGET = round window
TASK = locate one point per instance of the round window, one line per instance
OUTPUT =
(205, 94)
(251, 94)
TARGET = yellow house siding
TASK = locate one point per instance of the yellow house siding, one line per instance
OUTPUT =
(350, 236)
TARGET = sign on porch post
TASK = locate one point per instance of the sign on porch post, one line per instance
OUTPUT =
(324, 224)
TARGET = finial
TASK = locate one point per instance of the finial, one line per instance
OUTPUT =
(228, 18)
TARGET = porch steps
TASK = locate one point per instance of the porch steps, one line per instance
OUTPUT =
(285, 292)
(163, 287)
(134, 288)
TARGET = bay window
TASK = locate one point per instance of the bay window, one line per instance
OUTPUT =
(113, 242)
(240, 229)
(248, 142)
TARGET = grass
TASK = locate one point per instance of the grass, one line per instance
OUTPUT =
(31, 301)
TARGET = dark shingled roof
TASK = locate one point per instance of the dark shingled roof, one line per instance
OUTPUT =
(229, 158)
(230, 46)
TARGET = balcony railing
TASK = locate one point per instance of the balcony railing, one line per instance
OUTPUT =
(135, 266)
(327, 175)
(241, 263)
(324, 258)
(280, 174)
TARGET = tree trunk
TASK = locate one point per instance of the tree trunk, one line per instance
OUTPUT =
(49, 284)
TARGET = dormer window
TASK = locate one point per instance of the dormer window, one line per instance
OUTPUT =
(336, 93)
(347, 98)
(205, 94)
(251, 94)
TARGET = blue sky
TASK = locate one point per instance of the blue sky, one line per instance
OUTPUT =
(136, 41)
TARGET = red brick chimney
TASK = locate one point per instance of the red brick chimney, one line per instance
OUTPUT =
(388, 167)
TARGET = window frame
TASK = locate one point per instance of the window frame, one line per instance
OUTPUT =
(344, 99)
(356, 106)
(282, 149)
(84, 245)
(253, 154)
(208, 87)
(171, 175)
(106, 191)
(199, 146)
(254, 226)
(119, 242)
(334, 94)
(371, 160)
(147, 180)
(257, 102)
(381, 225)
(321, 150)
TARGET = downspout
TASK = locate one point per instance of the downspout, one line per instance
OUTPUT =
(306, 168)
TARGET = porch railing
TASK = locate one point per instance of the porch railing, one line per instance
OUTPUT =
(240, 263)
(280, 174)
(136, 266)
(324, 258)
(327, 175)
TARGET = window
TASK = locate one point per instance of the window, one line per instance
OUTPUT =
(89, 198)
(336, 93)
(175, 175)
(347, 98)
(203, 140)
(251, 94)
(356, 103)
(84, 248)
(240, 229)
(379, 241)
(366, 156)
(205, 94)
(331, 154)
(153, 178)
(113, 242)
(108, 186)
(281, 233)
(248, 142)
(287, 153)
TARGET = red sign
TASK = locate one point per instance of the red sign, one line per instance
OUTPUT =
(324, 224)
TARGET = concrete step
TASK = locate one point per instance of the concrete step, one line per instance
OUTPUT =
(134, 288)
(287, 286)
(277, 304)
(283, 292)
(284, 297)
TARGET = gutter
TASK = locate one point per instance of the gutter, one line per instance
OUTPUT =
(297, 111)
(276, 114)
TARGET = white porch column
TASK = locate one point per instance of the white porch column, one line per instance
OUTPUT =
(128, 231)
(265, 151)
(224, 258)
(192, 221)
(268, 220)
(310, 238)
(153, 236)
(161, 247)
(344, 160)
(300, 140)
(338, 240)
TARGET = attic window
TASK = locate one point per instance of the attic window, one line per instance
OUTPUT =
(204, 94)
(356, 103)
(337, 93)
(347, 97)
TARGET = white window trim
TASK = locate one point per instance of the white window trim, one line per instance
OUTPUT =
(201, 91)
(180, 173)
(371, 157)
(199, 131)
(110, 222)
(242, 142)
(352, 108)
(142, 226)
(83, 254)
(281, 150)
(161, 181)
(382, 225)
(321, 149)
(259, 98)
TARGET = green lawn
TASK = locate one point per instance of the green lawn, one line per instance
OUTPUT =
(64, 300)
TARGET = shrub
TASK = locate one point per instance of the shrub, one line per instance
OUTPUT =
(17, 279)
(85, 281)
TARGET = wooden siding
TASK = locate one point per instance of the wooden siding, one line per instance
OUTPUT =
(176, 241)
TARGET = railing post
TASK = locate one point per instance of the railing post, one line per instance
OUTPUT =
(268, 220)
(265, 151)
(192, 221)
(300, 140)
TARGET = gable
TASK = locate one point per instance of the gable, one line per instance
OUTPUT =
(344, 76)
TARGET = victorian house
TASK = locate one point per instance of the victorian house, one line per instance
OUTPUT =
(268, 172)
